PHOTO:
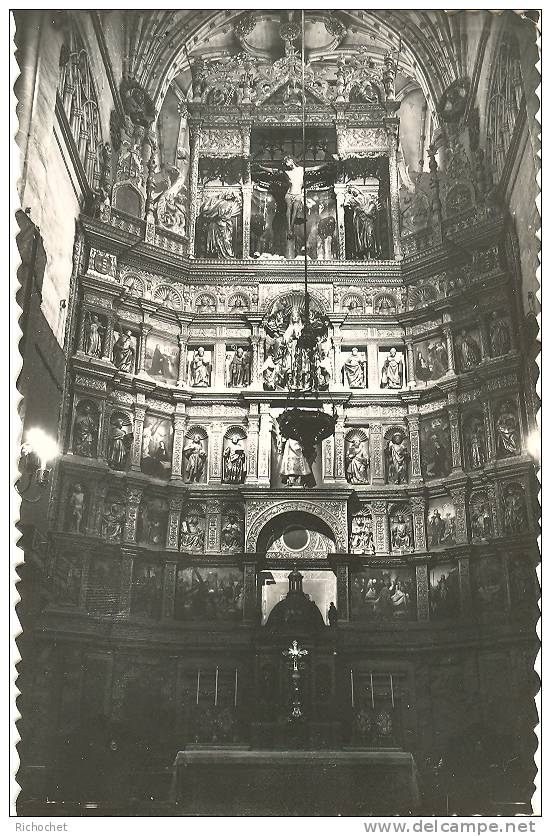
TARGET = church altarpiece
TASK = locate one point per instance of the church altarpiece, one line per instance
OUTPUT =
(180, 507)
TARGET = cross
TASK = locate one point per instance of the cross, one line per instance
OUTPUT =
(295, 653)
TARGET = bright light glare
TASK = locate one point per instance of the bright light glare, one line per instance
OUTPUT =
(533, 444)
(43, 445)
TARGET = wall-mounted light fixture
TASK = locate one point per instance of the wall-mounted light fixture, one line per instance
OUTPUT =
(37, 451)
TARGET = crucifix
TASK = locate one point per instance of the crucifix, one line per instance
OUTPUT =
(295, 654)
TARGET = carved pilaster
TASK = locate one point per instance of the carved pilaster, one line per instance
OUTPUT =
(145, 329)
(215, 453)
(343, 606)
(182, 342)
(328, 459)
(489, 429)
(496, 517)
(410, 364)
(251, 477)
(339, 469)
(218, 371)
(418, 507)
(415, 447)
(264, 445)
(98, 500)
(169, 589)
(173, 527)
(455, 436)
(422, 582)
(450, 348)
(394, 186)
(127, 568)
(380, 527)
(108, 340)
(339, 195)
(213, 526)
(180, 421)
(373, 379)
(194, 144)
(133, 499)
(458, 497)
(81, 329)
(247, 192)
(250, 602)
(376, 454)
(465, 586)
(136, 453)
(255, 369)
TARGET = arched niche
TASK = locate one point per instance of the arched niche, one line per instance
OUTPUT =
(327, 517)
(296, 536)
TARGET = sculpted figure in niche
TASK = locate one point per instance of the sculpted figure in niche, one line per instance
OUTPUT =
(119, 445)
(361, 536)
(200, 369)
(357, 462)
(401, 534)
(192, 536)
(269, 374)
(85, 432)
(364, 210)
(469, 351)
(476, 444)
(123, 352)
(500, 336)
(437, 528)
(220, 214)
(112, 520)
(354, 370)
(232, 537)
(397, 455)
(234, 460)
(507, 431)
(195, 456)
(239, 368)
(481, 520)
(514, 509)
(392, 374)
(93, 331)
(76, 508)
(295, 469)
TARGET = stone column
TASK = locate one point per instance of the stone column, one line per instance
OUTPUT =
(489, 428)
(455, 435)
(215, 453)
(465, 585)
(173, 527)
(107, 352)
(339, 469)
(376, 454)
(252, 444)
(133, 499)
(145, 329)
(250, 596)
(339, 189)
(418, 507)
(410, 362)
(458, 497)
(422, 582)
(392, 133)
(194, 144)
(136, 453)
(213, 525)
(169, 589)
(380, 527)
(265, 445)
(180, 421)
(128, 554)
(182, 357)
(415, 448)
(450, 348)
(247, 191)
(342, 602)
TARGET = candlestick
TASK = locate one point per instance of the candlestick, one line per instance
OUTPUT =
(198, 681)
(235, 691)
(216, 687)
(352, 687)
(392, 691)
(372, 695)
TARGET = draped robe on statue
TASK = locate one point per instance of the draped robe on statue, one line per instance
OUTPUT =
(294, 464)
(220, 212)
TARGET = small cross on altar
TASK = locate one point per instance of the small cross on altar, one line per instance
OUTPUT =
(295, 653)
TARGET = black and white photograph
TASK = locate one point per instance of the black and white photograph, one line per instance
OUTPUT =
(276, 442)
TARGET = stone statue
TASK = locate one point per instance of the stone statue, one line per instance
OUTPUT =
(76, 508)
(392, 374)
(112, 520)
(239, 368)
(269, 374)
(507, 432)
(234, 460)
(469, 351)
(354, 371)
(232, 537)
(200, 369)
(192, 536)
(500, 336)
(295, 469)
(514, 510)
(361, 536)
(401, 534)
(119, 443)
(93, 331)
(85, 433)
(476, 444)
(124, 353)
(357, 463)
(364, 210)
(397, 458)
(195, 456)
(220, 212)
(481, 521)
